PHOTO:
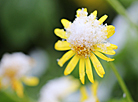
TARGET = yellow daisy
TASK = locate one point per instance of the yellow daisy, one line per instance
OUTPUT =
(85, 39)
(13, 70)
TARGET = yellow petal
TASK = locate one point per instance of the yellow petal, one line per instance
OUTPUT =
(65, 57)
(110, 33)
(70, 67)
(85, 9)
(62, 45)
(83, 13)
(97, 65)
(18, 87)
(30, 81)
(82, 70)
(84, 94)
(110, 30)
(94, 90)
(78, 14)
(108, 50)
(102, 56)
(65, 23)
(95, 14)
(60, 33)
(89, 70)
(102, 19)
(105, 46)
(113, 46)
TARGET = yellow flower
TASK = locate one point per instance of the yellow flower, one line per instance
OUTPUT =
(89, 98)
(13, 70)
(85, 38)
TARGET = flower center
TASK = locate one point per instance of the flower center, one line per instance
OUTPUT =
(81, 49)
(9, 72)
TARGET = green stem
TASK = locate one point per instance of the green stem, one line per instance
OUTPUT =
(16, 98)
(7, 94)
(121, 82)
(121, 10)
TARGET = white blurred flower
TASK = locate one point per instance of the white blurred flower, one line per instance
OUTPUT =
(57, 89)
(16, 64)
(41, 62)
(73, 97)
(13, 70)
(123, 30)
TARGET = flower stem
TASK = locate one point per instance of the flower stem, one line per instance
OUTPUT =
(12, 97)
(121, 10)
(15, 98)
(121, 82)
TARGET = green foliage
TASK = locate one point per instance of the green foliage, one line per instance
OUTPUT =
(23, 21)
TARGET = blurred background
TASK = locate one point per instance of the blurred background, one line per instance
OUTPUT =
(27, 26)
